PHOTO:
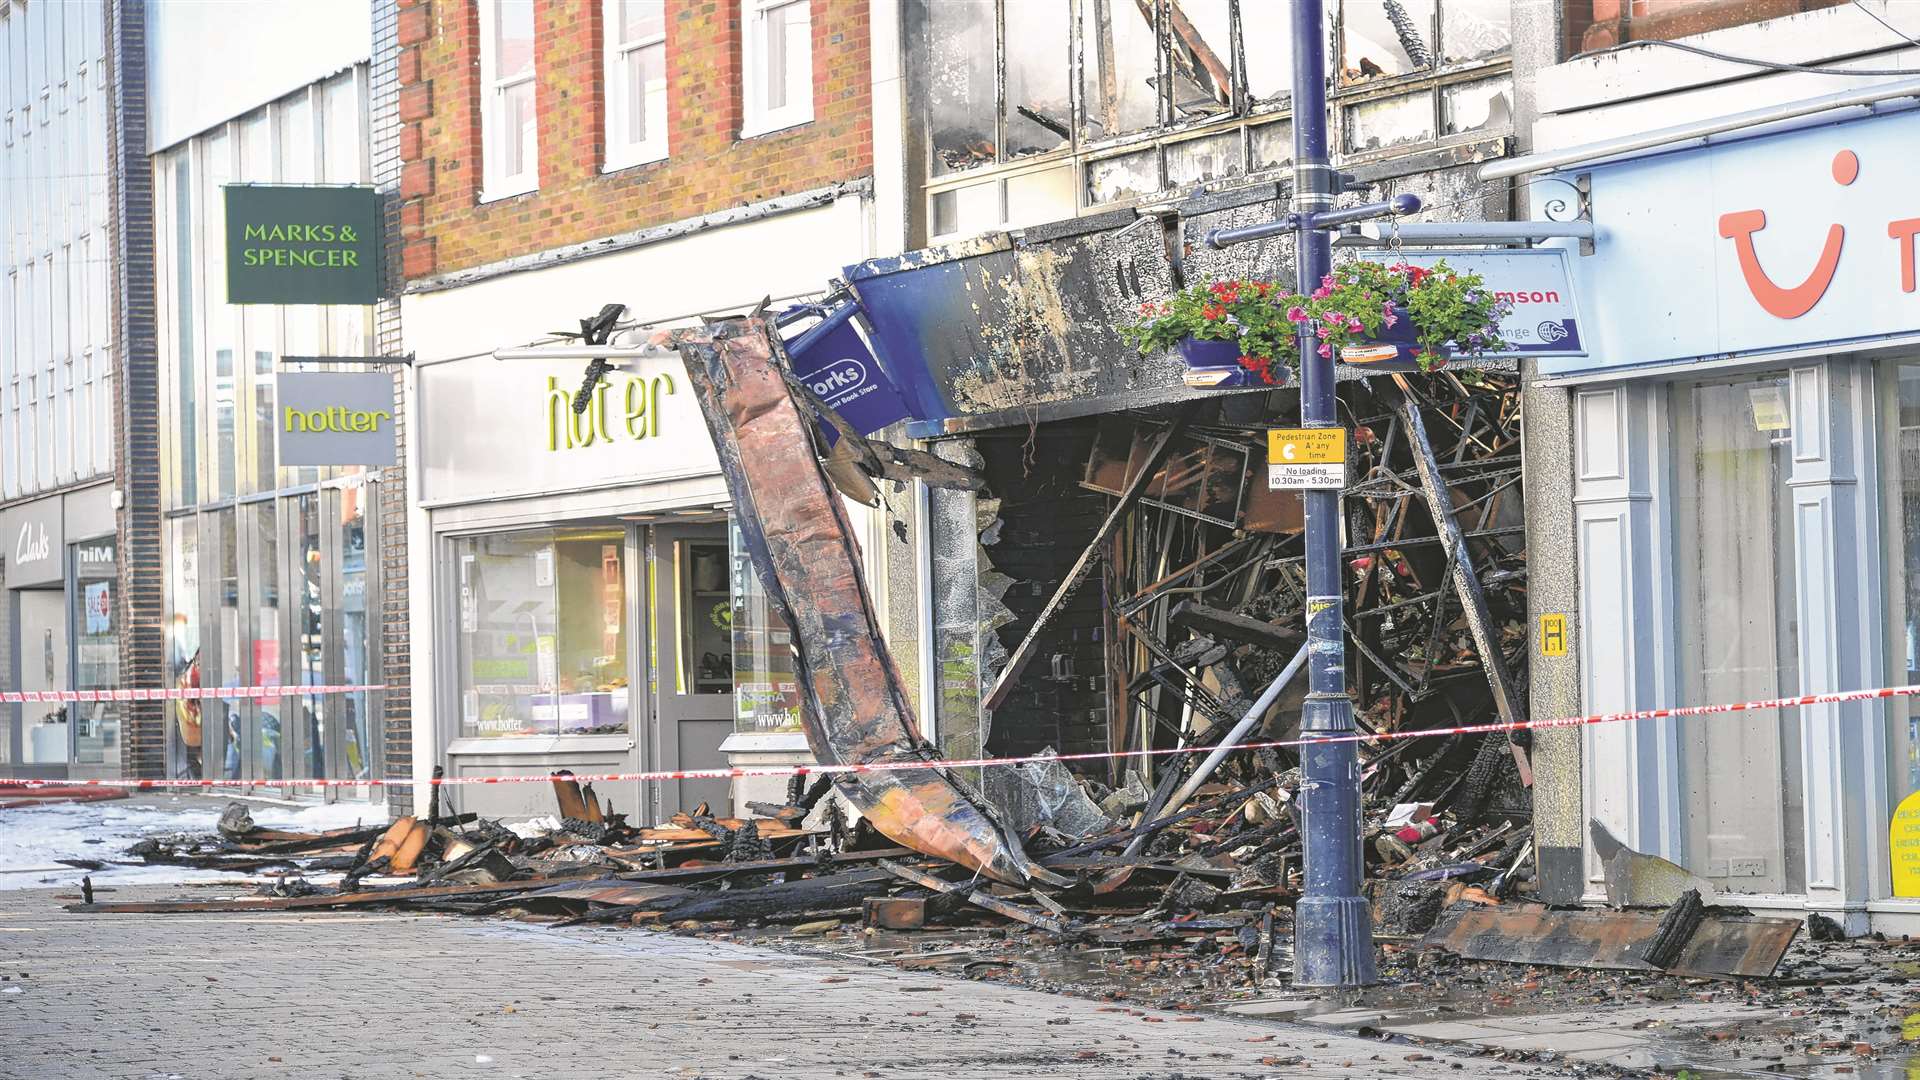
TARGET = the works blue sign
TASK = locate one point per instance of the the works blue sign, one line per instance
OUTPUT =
(833, 359)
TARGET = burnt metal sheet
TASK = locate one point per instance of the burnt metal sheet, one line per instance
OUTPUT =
(983, 330)
(1742, 946)
(796, 529)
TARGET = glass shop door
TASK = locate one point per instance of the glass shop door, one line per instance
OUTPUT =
(690, 624)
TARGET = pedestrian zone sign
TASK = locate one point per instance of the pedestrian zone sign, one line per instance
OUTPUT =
(1306, 458)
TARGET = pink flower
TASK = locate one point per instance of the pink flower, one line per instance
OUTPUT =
(1323, 292)
(1387, 309)
(1391, 320)
(1326, 351)
(1326, 281)
(1296, 313)
(1323, 332)
(1335, 318)
(1354, 326)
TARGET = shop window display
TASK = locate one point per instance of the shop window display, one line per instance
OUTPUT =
(543, 633)
(766, 694)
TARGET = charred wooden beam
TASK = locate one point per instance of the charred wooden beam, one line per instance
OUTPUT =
(1466, 582)
(979, 898)
(1213, 622)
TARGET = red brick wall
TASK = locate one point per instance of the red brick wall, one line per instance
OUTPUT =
(444, 225)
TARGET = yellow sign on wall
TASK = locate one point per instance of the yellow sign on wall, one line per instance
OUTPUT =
(1553, 635)
(1903, 841)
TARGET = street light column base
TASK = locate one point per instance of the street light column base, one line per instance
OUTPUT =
(1333, 942)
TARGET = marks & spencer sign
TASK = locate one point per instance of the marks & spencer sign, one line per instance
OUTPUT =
(1797, 241)
(302, 245)
(335, 418)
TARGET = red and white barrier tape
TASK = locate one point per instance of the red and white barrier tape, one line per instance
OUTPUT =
(1833, 698)
(175, 693)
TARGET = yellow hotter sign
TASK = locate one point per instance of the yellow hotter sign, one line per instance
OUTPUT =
(1903, 841)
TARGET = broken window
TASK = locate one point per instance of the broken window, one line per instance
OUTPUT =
(1385, 37)
(1486, 105)
(1123, 176)
(1208, 158)
(1272, 144)
(1202, 45)
(1475, 29)
(1122, 67)
(959, 81)
(1376, 125)
(1039, 103)
(1266, 49)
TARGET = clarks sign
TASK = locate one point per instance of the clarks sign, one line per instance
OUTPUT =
(33, 543)
(1799, 241)
(303, 245)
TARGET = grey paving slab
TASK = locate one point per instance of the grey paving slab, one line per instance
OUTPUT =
(373, 997)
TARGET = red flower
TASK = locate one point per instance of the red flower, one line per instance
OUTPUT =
(1212, 311)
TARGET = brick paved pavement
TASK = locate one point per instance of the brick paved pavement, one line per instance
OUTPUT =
(396, 995)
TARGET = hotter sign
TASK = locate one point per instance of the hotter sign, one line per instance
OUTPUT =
(1797, 241)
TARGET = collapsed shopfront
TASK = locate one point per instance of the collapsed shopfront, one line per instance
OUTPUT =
(1744, 475)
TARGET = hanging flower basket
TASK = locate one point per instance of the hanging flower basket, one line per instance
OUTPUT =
(1381, 317)
(1394, 348)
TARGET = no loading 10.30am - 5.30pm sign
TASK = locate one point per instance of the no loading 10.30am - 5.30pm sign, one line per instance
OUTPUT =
(1306, 458)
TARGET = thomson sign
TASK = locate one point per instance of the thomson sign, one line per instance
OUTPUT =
(1543, 319)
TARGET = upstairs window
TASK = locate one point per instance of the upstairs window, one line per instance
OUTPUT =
(509, 136)
(636, 84)
(777, 58)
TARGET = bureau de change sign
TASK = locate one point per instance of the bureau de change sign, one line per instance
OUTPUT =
(302, 245)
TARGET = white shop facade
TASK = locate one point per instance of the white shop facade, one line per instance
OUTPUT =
(581, 597)
(1745, 479)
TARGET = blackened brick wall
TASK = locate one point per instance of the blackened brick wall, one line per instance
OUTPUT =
(1046, 520)
(137, 427)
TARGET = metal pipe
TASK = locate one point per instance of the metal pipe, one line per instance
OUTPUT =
(581, 352)
(1219, 238)
(1399, 204)
(1333, 929)
(1548, 160)
(1232, 739)
(1470, 232)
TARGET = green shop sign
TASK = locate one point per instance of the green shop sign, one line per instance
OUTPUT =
(302, 245)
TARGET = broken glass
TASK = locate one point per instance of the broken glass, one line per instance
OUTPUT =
(1376, 125)
(1385, 37)
(1120, 73)
(958, 84)
(1475, 29)
(1039, 86)
(1486, 105)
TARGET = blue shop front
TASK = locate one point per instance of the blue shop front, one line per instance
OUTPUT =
(1745, 480)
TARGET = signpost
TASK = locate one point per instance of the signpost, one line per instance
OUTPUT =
(303, 245)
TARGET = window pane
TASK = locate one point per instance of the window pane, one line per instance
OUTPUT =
(96, 725)
(705, 612)
(1266, 33)
(1475, 29)
(766, 695)
(1123, 176)
(646, 77)
(959, 83)
(1039, 111)
(1734, 582)
(1385, 37)
(1903, 737)
(356, 633)
(517, 132)
(1212, 158)
(512, 38)
(1272, 144)
(186, 368)
(642, 19)
(1390, 122)
(184, 729)
(1121, 68)
(543, 632)
(1203, 66)
(786, 57)
(307, 714)
(1479, 106)
(266, 636)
